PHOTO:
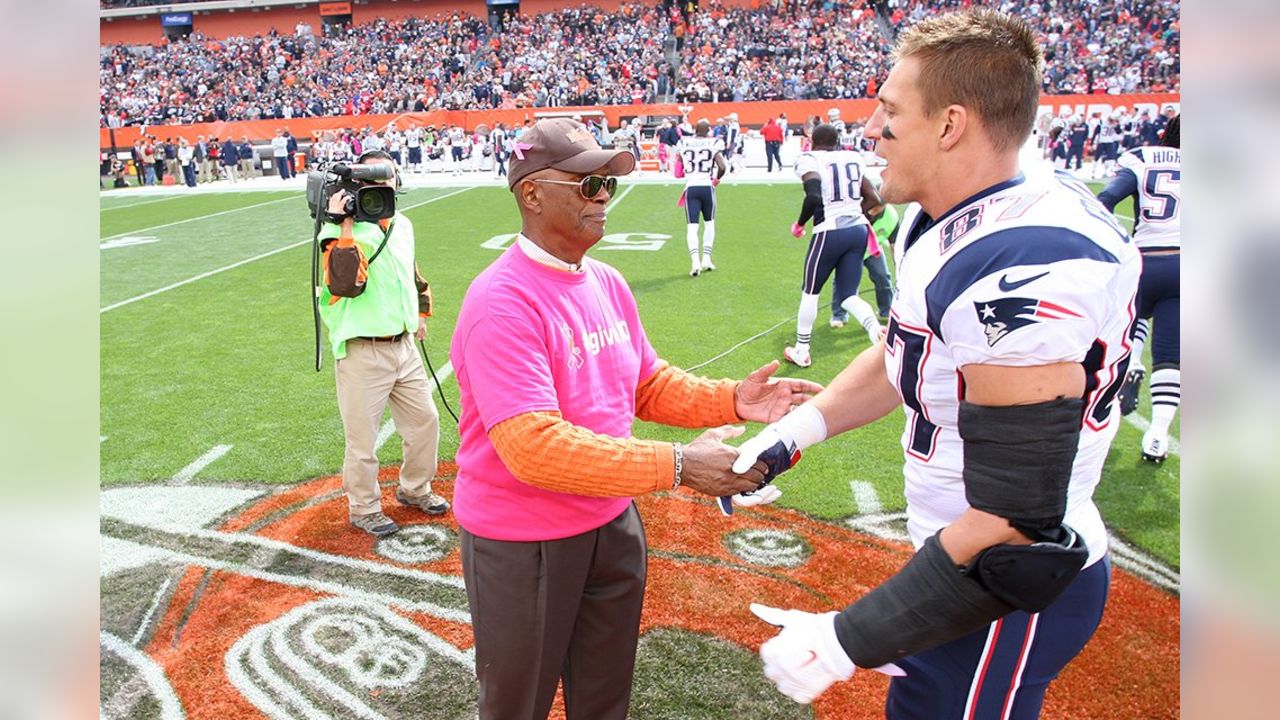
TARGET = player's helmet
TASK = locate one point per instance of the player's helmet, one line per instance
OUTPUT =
(833, 113)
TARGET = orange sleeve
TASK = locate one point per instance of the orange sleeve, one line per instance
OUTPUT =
(546, 451)
(672, 396)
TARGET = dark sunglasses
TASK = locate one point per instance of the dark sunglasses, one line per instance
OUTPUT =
(589, 186)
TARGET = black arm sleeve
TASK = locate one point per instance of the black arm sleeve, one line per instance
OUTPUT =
(1124, 184)
(812, 207)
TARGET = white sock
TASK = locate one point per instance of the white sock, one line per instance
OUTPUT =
(1166, 396)
(1140, 332)
(862, 311)
(708, 238)
(691, 239)
(804, 320)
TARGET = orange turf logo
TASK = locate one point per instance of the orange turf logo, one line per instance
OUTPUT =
(248, 602)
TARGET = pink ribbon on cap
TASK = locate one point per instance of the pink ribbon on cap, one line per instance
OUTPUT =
(518, 148)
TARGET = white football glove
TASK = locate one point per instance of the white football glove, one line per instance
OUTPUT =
(806, 657)
(800, 428)
(763, 496)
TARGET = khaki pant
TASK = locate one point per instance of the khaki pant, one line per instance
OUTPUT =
(206, 170)
(373, 373)
(247, 168)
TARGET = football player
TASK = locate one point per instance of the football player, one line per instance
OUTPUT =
(1152, 176)
(1007, 343)
(837, 193)
(1107, 149)
(733, 142)
(701, 158)
(413, 141)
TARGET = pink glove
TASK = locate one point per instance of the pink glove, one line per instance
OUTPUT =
(680, 202)
(797, 230)
(715, 182)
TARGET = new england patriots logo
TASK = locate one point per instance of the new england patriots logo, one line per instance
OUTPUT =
(1005, 315)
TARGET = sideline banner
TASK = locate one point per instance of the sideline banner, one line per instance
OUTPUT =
(752, 114)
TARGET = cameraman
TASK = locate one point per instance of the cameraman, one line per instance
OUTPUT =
(371, 312)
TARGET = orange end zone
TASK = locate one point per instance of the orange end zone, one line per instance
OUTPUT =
(704, 570)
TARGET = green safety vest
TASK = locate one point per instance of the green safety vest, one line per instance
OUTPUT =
(389, 303)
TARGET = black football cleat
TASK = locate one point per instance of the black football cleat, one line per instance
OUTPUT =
(1129, 390)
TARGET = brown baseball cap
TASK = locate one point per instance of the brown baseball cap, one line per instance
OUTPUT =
(563, 144)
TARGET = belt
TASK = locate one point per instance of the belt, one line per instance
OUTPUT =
(1162, 251)
(385, 338)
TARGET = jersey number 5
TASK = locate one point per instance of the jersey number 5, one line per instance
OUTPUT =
(1162, 184)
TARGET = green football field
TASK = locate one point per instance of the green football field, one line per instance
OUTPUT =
(207, 339)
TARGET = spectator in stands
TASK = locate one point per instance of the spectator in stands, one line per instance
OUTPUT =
(786, 49)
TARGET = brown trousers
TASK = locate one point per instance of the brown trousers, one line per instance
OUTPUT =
(373, 373)
(557, 610)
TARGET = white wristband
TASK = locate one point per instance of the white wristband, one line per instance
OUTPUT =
(804, 425)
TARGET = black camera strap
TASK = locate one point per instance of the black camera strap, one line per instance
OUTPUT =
(385, 237)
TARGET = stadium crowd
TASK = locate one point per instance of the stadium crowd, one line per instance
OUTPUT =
(788, 49)
(1091, 46)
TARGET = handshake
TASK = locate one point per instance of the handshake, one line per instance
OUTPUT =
(746, 482)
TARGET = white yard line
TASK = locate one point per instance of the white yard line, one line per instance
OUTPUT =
(758, 335)
(234, 265)
(201, 217)
(200, 463)
(389, 427)
(150, 671)
(428, 201)
(864, 494)
(201, 276)
(151, 611)
(1143, 424)
(123, 206)
(618, 199)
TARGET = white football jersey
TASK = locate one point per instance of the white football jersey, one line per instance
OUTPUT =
(841, 173)
(698, 156)
(850, 138)
(1028, 272)
(1153, 175)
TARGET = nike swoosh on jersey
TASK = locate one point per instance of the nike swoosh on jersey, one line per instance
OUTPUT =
(1006, 286)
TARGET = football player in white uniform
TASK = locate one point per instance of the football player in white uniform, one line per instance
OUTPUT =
(701, 157)
(1152, 176)
(394, 140)
(413, 141)
(733, 142)
(1107, 149)
(1008, 340)
(836, 194)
